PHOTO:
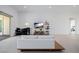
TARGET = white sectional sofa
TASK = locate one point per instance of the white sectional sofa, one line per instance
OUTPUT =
(36, 42)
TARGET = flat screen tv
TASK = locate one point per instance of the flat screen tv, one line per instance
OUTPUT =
(38, 25)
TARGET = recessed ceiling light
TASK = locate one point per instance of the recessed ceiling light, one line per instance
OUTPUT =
(74, 5)
(27, 24)
(50, 6)
(25, 7)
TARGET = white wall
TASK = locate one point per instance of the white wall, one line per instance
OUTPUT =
(57, 16)
(14, 19)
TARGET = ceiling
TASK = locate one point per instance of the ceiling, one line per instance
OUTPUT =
(25, 8)
(21, 8)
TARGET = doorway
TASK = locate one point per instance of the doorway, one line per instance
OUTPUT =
(72, 25)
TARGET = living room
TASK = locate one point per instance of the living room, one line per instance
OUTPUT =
(62, 22)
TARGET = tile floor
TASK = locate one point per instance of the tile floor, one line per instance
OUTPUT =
(69, 42)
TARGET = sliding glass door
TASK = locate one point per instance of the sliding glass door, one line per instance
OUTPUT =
(4, 25)
(1, 24)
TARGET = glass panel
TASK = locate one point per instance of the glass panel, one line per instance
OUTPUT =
(0, 25)
(6, 25)
(72, 23)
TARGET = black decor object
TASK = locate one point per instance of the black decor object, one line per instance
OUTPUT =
(25, 31)
(18, 31)
(28, 31)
